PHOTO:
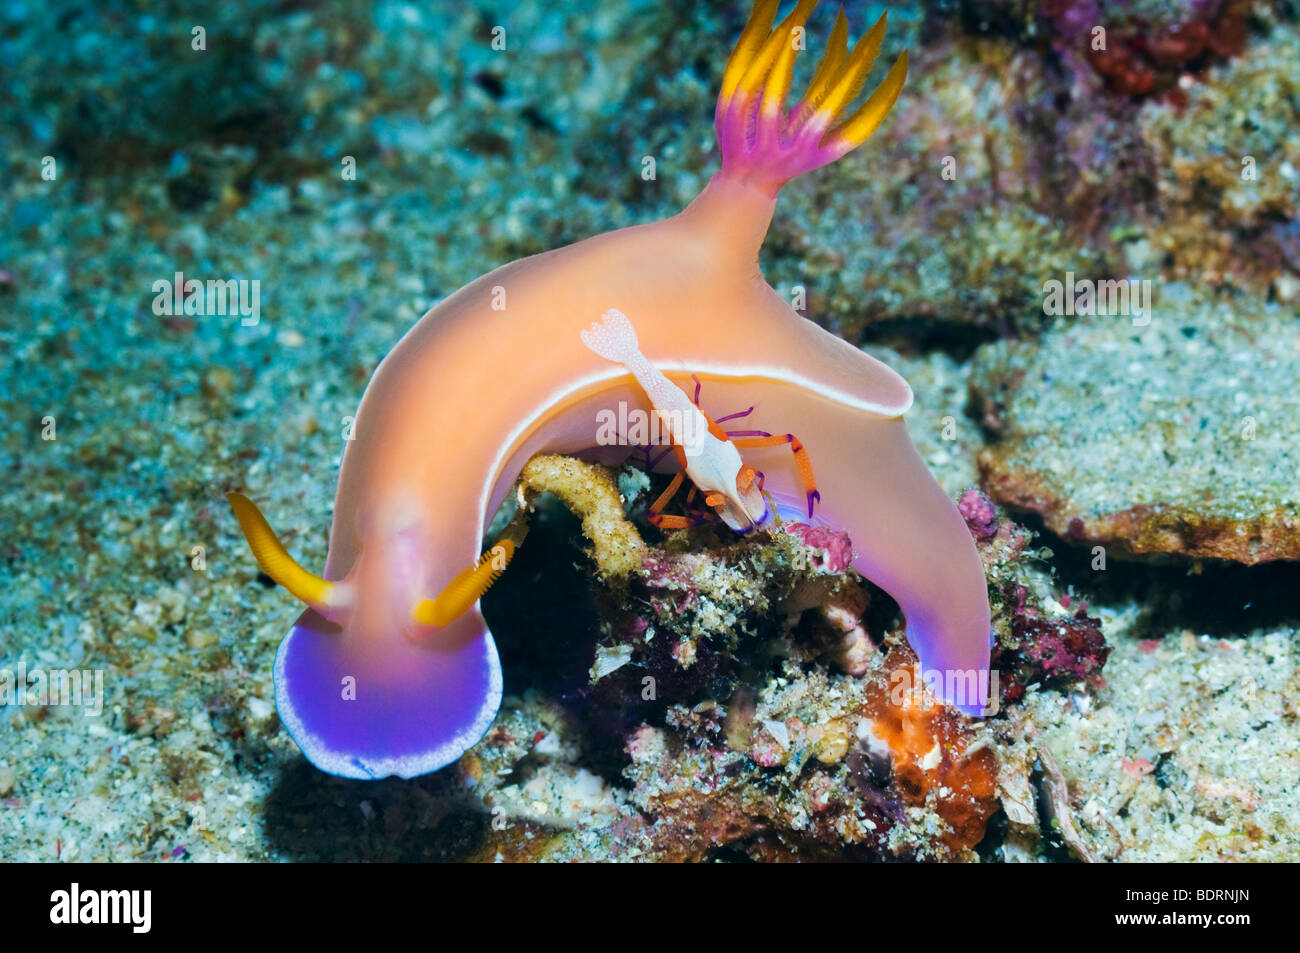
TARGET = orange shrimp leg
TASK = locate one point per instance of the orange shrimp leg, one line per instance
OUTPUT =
(751, 439)
(702, 515)
(656, 515)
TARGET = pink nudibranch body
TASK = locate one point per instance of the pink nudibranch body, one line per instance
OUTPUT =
(498, 372)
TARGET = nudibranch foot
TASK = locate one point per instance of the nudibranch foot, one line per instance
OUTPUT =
(368, 701)
(386, 705)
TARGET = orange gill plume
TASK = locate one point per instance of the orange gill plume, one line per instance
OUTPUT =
(765, 144)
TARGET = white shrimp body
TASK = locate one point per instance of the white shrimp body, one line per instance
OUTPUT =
(712, 464)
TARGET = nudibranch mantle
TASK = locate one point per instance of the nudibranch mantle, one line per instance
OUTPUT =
(442, 431)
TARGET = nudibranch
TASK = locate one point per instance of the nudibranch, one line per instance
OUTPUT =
(391, 670)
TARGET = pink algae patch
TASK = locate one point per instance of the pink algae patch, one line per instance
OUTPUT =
(980, 514)
(832, 550)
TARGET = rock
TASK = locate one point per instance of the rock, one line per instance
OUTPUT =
(260, 711)
(1177, 437)
(1229, 166)
(609, 659)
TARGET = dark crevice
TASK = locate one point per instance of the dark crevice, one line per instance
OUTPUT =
(1210, 597)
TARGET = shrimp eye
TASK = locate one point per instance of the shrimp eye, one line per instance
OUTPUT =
(715, 499)
(745, 478)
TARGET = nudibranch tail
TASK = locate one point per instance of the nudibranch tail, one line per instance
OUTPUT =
(766, 144)
(320, 594)
(466, 588)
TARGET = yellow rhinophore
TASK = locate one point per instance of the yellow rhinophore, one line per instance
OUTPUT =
(320, 594)
(466, 588)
